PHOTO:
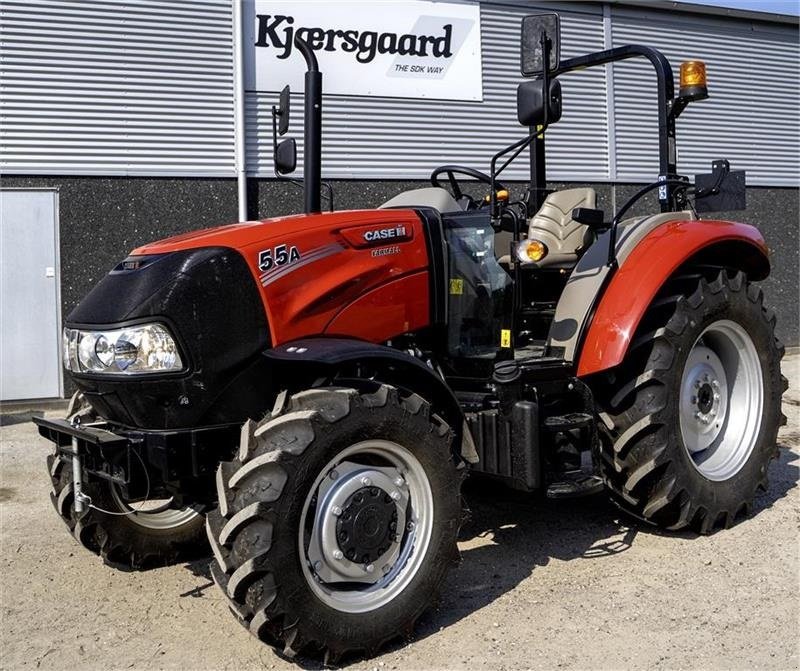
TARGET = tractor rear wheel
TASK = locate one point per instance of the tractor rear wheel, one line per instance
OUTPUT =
(338, 520)
(693, 412)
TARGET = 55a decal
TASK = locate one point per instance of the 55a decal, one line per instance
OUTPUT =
(279, 255)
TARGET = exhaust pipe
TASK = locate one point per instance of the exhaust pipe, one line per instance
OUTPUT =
(312, 136)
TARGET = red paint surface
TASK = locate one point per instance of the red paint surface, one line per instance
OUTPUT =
(334, 282)
(640, 277)
(375, 315)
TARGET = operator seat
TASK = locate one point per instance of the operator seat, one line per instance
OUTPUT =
(439, 199)
(565, 238)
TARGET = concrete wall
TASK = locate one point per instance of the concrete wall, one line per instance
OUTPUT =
(102, 219)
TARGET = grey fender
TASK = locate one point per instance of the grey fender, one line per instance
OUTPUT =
(589, 277)
(386, 364)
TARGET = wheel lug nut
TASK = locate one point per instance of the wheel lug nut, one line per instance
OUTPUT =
(333, 475)
(715, 384)
(399, 482)
(317, 565)
(716, 396)
(410, 526)
(369, 568)
(366, 481)
(336, 511)
(395, 496)
(337, 554)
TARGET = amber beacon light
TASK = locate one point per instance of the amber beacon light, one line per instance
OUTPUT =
(693, 80)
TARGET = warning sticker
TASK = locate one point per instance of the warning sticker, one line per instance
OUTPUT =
(456, 286)
(505, 338)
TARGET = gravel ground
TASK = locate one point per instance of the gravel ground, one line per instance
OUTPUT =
(541, 585)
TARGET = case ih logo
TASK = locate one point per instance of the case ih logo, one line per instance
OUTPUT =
(380, 234)
(278, 31)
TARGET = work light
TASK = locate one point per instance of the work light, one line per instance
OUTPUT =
(531, 251)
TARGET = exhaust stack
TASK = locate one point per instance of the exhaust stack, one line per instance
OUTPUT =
(312, 135)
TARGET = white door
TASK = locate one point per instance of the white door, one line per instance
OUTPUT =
(30, 351)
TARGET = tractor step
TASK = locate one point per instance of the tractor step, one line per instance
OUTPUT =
(568, 422)
(573, 487)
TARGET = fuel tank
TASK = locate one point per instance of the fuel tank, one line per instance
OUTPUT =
(361, 273)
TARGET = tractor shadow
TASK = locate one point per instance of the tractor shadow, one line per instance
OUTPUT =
(507, 535)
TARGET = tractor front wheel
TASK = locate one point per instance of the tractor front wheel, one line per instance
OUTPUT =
(693, 412)
(338, 520)
(126, 534)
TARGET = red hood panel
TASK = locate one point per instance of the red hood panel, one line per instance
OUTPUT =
(312, 268)
(246, 233)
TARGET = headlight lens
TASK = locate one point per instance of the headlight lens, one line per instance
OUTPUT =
(146, 348)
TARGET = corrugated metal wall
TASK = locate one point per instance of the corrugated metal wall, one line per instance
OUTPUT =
(398, 138)
(145, 87)
(752, 117)
(141, 87)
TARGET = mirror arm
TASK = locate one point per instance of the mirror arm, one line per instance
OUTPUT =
(519, 146)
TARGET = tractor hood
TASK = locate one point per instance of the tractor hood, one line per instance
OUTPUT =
(227, 294)
(310, 268)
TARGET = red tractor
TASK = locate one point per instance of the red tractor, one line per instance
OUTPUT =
(307, 394)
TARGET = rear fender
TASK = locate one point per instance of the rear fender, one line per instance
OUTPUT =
(326, 355)
(649, 265)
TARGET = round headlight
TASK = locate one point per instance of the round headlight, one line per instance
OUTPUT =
(125, 351)
(86, 352)
(104, 351)
(531, 250)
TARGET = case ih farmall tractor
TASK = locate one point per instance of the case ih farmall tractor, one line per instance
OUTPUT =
(308, 393)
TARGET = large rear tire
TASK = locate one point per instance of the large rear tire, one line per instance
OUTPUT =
(126, 535)
(693, 412)
(338, 520)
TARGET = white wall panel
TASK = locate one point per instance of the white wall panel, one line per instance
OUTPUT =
(145, 87)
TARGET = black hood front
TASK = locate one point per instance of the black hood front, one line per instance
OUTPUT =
(209, 301)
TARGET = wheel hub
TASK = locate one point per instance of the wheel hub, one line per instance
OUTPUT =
(354, 534)
(368, 525)
(703, 399)
(722, 372)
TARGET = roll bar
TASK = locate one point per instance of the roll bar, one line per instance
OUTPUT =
(667, 113)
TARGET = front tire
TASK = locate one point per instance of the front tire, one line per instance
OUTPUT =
(693, 412)
(338, 520)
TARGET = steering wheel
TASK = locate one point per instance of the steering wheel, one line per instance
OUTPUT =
(452, 170)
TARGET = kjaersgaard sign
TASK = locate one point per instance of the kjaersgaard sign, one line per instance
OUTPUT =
(400, 49)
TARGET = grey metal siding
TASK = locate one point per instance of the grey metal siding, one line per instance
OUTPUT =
(752, 116)
(400, 138)
(142, 87)
(145, 87)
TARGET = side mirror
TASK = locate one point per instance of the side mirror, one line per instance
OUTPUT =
(286, 156)
(532, 103)
(532, 53)
(282, 111)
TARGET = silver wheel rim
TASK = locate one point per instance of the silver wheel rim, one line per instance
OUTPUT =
(721, 400)
(154, 514)
(349, 584)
